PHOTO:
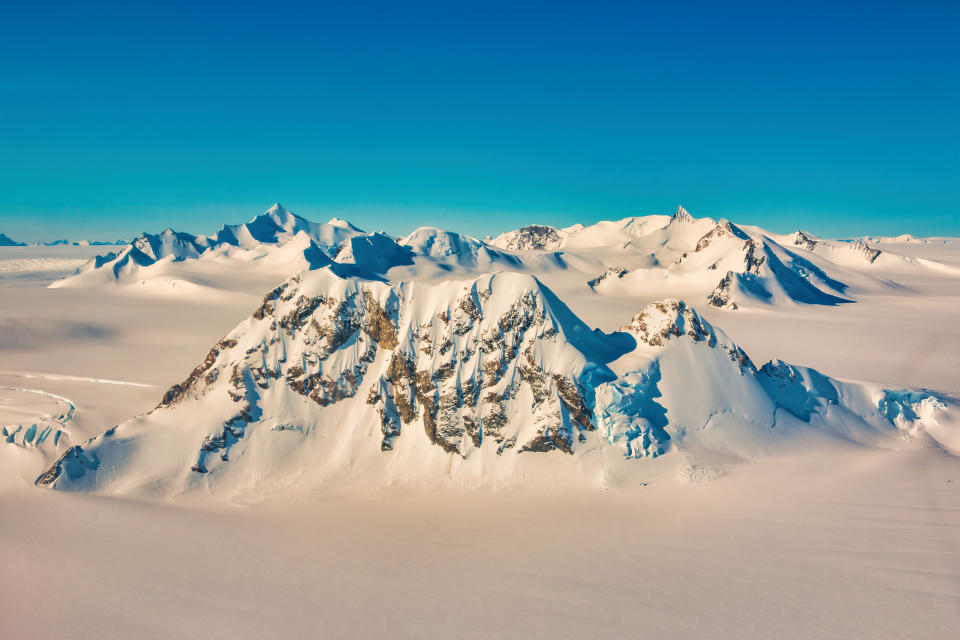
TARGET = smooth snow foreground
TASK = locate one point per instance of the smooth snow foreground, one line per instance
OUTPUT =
(661, 425)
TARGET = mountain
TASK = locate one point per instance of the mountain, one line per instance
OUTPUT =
(717, 261)
(456, 250)
(713, 260)
(532, 238)
(6, 241)
(489, 380)
(276, 237)
(63, 242)
(281, 243)
(374, 253)
(277, 225)
(618, 234)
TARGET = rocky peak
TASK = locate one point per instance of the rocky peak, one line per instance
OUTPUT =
(720, 296)
(681, 215)
(868, 252)
(456, 359)
(611, 273)
(804, 240)
(533, 237)
(663, 320)
(660, 322)
(724, 229)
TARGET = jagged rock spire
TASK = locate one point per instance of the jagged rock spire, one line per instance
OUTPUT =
(682, 215)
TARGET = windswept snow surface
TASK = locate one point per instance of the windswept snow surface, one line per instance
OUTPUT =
(391, 434)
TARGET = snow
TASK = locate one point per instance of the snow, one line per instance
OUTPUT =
(841, 545)
(813, 496)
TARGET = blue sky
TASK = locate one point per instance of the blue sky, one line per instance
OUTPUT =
(840, 118)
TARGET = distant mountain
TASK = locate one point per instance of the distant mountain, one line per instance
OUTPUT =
(282, 240)
(455, 249)
(284, 235)
(725, 264)
(532, 238)
(6, 241)
(83, 243)
(488, 380)
(718, 262)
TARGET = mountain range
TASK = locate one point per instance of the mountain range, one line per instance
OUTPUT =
(478, 382)
(6, 241)
(715, 262)
(436, 357)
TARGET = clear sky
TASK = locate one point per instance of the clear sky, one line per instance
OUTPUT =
(838, 117)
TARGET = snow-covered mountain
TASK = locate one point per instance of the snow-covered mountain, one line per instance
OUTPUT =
(488, 380)
(452, 249)
(714, 261)
(316, 243)
(62, 242)
(531, 238)
(6, 241)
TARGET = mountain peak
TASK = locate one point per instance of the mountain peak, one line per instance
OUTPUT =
(531, 237)
(661, 320)
(682, 215)
(6, 241)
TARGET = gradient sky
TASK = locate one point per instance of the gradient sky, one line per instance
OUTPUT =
(841, 118)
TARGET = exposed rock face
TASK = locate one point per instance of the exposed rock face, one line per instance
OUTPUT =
(665, 320)
(660, 321)
(177, 392)
(533, 237)
(805, 241)
(868, 252)
(724, 229)
(720, 296)
(73, 462)
(457, 369)
(681, 216)
(612, 273)
(751, 260)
